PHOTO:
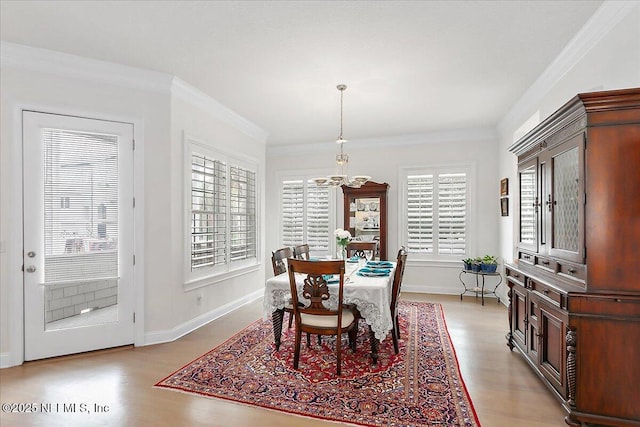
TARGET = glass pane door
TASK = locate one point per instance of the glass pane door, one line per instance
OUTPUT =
(80, 227)
(78, 223)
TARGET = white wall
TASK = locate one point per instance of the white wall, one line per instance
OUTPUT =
(382, 159)
(193, 121)
(160, 107)
(605, 55)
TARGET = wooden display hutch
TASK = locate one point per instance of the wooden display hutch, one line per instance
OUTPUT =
(574, 289)
(365, 213)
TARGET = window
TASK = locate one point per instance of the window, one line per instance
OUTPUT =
(222, 212)
(243, 213)
(436, 203)
(208, 212)
(305, 215)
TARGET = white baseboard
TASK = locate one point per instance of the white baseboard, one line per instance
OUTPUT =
(422, 289)
(5, 360)
(449, 290)
(159, 337)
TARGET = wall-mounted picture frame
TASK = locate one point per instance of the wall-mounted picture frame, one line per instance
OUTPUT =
(504, 206)
(504, 187)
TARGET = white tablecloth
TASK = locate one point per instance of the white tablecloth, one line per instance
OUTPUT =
(371, 295)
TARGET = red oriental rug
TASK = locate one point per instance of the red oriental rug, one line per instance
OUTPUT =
(421, 386)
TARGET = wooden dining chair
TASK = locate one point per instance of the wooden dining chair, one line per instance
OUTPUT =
(279, 259)
(360, 249)
(395, 296)
(311, 315)
(301, 252)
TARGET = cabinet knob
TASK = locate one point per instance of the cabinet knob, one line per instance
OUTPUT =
(571, 270)
(545, 262)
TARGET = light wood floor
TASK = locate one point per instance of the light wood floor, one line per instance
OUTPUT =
(504, 390)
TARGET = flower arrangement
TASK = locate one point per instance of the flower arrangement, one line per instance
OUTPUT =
(342, 237)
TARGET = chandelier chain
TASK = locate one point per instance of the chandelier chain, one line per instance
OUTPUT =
(341, 97)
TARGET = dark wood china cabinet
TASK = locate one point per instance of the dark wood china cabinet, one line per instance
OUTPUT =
(365, 213)
(574, 288)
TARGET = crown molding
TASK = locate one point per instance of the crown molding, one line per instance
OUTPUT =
(52, 62)
(73, 66)
(190, 94)
(608, 15)
(449, 136)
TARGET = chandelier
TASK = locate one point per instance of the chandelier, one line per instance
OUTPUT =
(342, 160)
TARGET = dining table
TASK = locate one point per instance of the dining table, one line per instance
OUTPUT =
(368, 292)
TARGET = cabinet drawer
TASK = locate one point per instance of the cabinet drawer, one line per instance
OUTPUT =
(526, 258)
(574, 272)
(546, 264)
(516, 277)
(552, 294)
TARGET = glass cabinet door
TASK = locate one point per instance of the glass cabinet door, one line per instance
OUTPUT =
(366, 219)
(528, 180)
(565, 202)
(365, 213)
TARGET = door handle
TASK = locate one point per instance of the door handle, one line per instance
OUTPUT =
(31, 269)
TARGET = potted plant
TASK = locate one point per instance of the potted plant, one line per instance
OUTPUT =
(467, 263)
(489, 264)
(476, 264)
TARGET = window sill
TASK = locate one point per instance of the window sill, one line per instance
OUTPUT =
(211, 279)
(457, 264)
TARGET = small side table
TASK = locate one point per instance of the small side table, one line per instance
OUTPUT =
(479, 288)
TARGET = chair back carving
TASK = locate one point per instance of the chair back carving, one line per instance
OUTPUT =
(360, 249)
(279, 260)
(301, 252)
(315, 288)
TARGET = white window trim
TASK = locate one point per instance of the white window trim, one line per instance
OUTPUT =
(434, 259)
(215, 274)
(304, 175)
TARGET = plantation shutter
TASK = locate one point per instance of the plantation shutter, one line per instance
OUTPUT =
(452, 211)
(208, 211)
(243, 213)
(292, 213)
(420, 213)
(317, 217)
(305, 215)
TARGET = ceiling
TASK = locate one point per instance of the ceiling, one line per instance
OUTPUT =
(411, 67)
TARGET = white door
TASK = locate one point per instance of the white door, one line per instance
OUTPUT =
(78, 234)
